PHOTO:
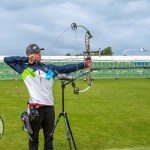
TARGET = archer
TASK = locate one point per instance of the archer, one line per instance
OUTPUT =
(39, 79)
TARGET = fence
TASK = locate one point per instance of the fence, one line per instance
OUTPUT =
(107, 69)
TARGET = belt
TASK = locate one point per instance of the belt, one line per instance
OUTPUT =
(36, 105)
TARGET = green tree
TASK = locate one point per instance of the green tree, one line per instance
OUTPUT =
(68, 54)
(106, 52)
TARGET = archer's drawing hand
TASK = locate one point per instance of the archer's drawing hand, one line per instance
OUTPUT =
(88, 61)
(32, 59)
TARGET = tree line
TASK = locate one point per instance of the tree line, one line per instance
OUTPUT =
(105, 52)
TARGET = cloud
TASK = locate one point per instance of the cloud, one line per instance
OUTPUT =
(115, 23)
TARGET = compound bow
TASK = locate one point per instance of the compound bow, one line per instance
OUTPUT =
(87, 56)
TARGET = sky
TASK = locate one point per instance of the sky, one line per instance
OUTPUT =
(123, 25)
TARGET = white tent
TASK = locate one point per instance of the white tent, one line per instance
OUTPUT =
(94, 58)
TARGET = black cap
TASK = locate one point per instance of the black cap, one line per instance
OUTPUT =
(33, 48)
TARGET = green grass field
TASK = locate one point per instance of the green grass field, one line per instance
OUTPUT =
(113, 114)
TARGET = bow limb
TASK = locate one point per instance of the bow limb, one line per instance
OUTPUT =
(88, 36)
(77, 91)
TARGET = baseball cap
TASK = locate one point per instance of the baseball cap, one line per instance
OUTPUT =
(33, 48)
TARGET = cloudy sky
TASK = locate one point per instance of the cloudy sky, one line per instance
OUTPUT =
(123, 25)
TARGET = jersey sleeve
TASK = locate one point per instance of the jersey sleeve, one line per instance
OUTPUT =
(67, 68)
(16, 62)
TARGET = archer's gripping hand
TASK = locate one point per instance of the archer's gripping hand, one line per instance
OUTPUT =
(88, 61)
(32, 59)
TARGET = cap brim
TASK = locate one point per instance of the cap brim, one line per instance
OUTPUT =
(40, 49)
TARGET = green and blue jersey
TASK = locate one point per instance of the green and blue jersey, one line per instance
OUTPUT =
(39, 77)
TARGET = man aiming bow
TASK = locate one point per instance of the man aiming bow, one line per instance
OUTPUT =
(39, 79)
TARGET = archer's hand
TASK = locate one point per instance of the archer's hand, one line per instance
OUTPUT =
(32, 59)
(88, 61)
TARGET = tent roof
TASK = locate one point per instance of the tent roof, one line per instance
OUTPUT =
(94, 58)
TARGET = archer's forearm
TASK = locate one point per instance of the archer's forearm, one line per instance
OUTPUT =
(16, 62)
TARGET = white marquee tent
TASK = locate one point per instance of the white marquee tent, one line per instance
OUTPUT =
(94, 58)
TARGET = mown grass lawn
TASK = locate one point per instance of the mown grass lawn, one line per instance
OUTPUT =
(112, 114)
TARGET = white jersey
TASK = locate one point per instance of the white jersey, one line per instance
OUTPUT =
(39, 77)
